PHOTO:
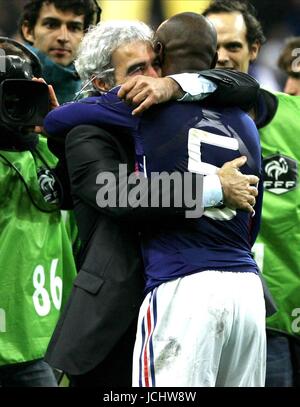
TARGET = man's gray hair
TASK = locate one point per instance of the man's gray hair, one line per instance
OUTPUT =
(98, 45)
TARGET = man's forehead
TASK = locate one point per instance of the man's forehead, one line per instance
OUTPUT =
(228, 23)
(135, 50)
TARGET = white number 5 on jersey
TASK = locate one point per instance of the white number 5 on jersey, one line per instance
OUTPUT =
(195, 164)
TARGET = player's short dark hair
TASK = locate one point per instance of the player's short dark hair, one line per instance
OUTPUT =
(254, 29)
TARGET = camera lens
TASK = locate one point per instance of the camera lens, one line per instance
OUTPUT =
(17, 107)
(23, 103)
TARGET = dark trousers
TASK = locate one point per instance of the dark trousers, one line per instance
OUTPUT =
(279, 361)
(36, 373)
(115, 369)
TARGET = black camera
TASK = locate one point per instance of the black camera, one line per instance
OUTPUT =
(23, 102)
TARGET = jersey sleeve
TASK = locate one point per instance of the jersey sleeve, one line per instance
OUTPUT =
(219, 87)
(106, 111)
(195, 86)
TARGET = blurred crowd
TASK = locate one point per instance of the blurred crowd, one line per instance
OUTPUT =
(279, 19)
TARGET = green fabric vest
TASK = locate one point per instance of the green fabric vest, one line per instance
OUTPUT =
(277, 248)
(36, 262)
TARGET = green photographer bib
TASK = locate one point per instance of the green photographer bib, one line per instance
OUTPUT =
(36, 262)
(277, 248)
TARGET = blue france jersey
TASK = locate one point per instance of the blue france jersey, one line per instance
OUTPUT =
(182, 137)
(188, 137)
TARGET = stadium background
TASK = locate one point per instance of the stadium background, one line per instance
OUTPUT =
(280, 19)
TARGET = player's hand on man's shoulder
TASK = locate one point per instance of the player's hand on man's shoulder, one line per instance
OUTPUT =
(144, 92)
(239, 190)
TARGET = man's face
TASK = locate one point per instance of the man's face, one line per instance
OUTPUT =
(56, 33)
(233, 49)
(136, 58)
(292, 85)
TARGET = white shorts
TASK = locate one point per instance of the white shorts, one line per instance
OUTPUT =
(205, 329)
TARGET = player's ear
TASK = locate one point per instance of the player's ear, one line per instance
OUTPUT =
(159, 50)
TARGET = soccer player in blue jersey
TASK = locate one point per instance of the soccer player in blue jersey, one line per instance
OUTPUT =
(202, 321)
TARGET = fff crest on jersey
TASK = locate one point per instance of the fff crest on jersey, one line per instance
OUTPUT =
(280, 174)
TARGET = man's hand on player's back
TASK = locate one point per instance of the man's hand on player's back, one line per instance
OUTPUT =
(239, 191)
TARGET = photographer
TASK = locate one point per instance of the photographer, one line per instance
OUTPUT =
(36, 262)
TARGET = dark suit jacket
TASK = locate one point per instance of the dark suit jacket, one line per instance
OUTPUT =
(108, 289)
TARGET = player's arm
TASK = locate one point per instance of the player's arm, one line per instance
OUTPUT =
(104, 110)
(234, 88)
(142, 92)
(221, 87)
